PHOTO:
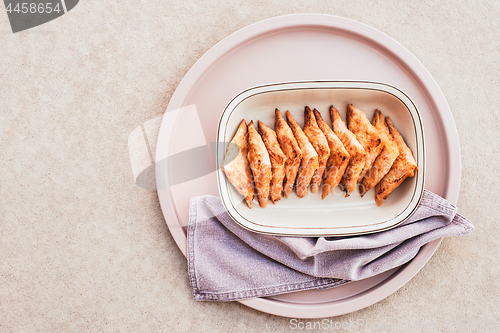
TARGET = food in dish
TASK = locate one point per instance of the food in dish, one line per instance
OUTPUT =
(367, 135)
(319, 143)
(309, 162)
(277, 158)
(353, 147)
(291, 150)
(385, 159)
(235, 165)
(403, 167)
(338, 160)
(260, 164)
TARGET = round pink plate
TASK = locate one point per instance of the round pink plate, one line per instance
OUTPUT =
(303, 47)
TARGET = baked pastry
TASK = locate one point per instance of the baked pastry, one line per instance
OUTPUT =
(277, 158)
(353, 147)
(385, 159)
(319, 143)
(338, 160)
(260, 163)
(367, 135)
(235, 165)
(291, 150)
(403, 167)
(309, 162)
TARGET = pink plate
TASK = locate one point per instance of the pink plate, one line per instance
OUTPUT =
(303, 47)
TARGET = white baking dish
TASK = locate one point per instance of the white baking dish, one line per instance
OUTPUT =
(335, 215)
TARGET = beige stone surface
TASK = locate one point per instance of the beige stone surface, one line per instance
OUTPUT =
(84, 249)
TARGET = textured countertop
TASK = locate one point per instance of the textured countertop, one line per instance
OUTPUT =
(84, 249)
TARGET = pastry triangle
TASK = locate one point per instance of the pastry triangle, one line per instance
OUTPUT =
(353, 147)
(338, 160)
(384, 161)
(277, 158)
(235, 165)
(367, 135)
(260, 163)
(309, 162)
(291, 150)
(403, 167)
(319, 143)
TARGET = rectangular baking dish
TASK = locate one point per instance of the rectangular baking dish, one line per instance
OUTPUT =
(335, 215)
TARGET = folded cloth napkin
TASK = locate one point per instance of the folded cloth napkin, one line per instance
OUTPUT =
(228, 262)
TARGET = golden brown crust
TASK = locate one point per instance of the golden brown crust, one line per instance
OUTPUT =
(338, 160)
(309, 162)
(235, 165)
(260, 163)
(384, 161)
(403, 167)
(291, 150)
(319, 143)
(353, 147)
(367, 135)
(277, 158)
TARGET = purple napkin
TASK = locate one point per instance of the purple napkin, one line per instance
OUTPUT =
(228, 262)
